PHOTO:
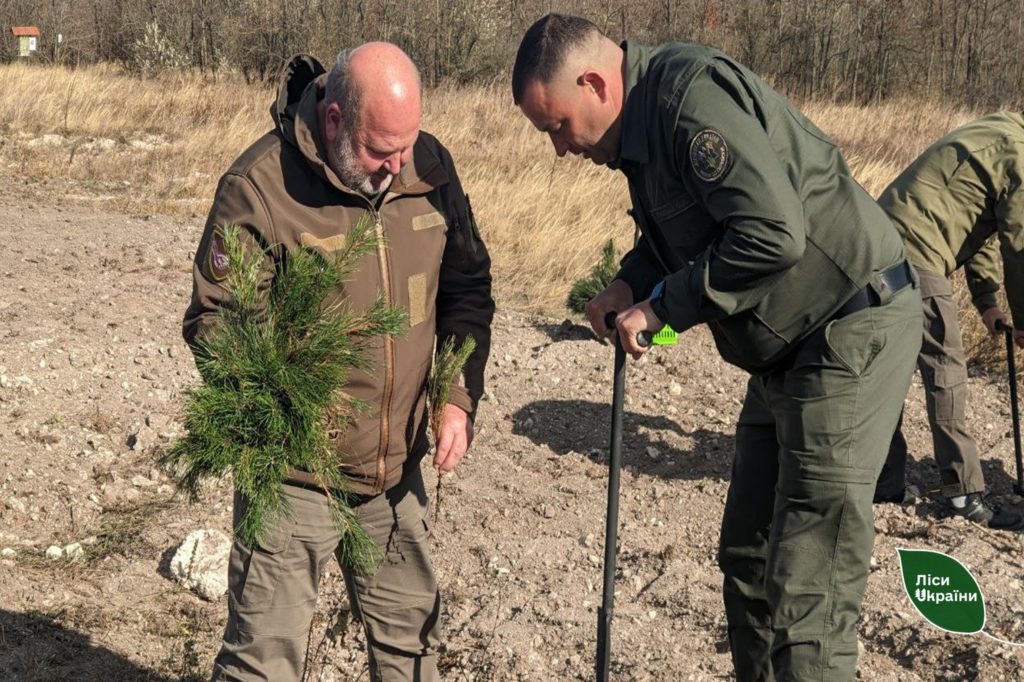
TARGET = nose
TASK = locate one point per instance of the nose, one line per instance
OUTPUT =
(394, 163)
(560, 146)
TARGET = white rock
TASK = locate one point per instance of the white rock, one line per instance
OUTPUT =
(8, 553)
(53, 552)
(13, 503)
(675, 388)
(74, 551)
(201, 563)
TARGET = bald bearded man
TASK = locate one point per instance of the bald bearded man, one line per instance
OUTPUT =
(345, 145)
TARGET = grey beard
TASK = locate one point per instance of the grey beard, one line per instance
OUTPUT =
(349, 172)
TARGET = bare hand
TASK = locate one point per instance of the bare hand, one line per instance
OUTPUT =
(990, 317)
(638, 318)
(616, 297)
(453, 438)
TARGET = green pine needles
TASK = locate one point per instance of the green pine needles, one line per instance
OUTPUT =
(590, 286)
(448, 366)
(275, 366)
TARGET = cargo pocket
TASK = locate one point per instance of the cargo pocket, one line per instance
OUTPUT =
(853, 341)
(261, 568)
(950, 392)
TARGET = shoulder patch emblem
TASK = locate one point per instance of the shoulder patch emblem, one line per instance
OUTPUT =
(709, 155)
(218, 257)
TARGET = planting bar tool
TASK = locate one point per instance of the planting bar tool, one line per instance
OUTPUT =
(1011, 361)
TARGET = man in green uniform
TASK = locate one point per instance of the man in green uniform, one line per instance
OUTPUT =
(753, 225)
(958, 205)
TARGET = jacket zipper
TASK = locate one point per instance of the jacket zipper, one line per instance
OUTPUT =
(389, 359)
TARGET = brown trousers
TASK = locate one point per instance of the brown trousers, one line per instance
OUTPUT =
(272, 590)
(943, 367)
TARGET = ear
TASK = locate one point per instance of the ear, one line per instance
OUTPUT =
(332, 122)
(596, 82)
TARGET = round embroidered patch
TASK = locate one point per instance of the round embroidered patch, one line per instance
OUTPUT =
(218, 257)
(709, 155)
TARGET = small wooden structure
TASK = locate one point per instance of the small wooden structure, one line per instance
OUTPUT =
(28, 39)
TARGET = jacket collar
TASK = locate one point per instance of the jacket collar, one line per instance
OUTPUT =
(633, 145)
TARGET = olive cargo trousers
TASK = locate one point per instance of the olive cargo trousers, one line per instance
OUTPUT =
(272, 590)
(943, 366)
(798, 528)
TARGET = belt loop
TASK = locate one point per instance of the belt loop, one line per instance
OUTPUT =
(880, 286)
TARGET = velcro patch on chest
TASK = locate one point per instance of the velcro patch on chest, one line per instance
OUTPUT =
(425, 222)
(218, 257)
(326, 244)
(709, 155)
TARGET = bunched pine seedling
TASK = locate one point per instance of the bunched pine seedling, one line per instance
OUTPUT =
(600, 276)
(274, 368)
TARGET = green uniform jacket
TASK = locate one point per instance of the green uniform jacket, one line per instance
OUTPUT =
(958, 194)
(748, 211)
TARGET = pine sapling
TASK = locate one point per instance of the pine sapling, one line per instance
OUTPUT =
(448, 365)
(600, 276)
(274, 367)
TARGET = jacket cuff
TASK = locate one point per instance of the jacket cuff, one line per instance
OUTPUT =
(984, 302)
(680, 307)
(459, 397)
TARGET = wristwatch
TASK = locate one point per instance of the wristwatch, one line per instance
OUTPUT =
(656, 302)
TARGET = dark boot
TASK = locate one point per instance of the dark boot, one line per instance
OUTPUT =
(980, 510)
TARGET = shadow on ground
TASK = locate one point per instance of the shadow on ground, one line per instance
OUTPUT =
(568, 330)
(36, 648)
(576, 426)
(924, 473)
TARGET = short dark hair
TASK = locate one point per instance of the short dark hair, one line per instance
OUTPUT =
(545, 46)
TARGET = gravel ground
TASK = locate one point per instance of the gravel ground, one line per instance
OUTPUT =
(92, 370)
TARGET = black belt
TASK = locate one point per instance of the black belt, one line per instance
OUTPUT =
(895, 278)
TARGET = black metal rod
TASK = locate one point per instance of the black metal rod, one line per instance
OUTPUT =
(611, 531)
(1011, 361)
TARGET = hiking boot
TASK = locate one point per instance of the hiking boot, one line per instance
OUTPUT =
(910, 495)
(980, 510)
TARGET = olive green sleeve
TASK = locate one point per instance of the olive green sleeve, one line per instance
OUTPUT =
(982, 270)
(752, 199)
(238, 203)
(1010, 215)
(639, 270)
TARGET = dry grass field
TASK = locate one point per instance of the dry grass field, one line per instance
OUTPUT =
(159, 145)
